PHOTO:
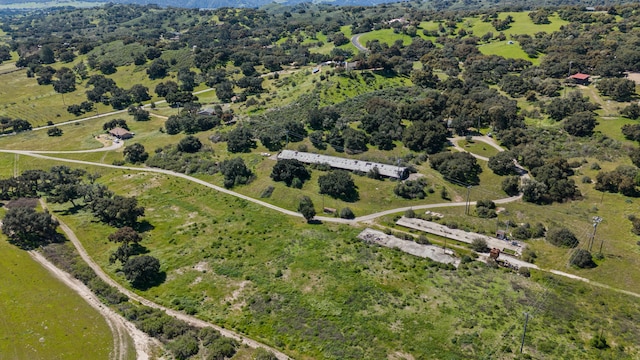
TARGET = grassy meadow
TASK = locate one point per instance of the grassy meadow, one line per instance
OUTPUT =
(316, 291)
(42, 318)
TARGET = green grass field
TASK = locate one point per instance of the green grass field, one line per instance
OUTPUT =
(386, 36)
(42, 318)
(478, 148)
(522, 24)
(507, 50)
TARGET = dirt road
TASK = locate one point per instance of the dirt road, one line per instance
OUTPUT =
(122, 329)
(176, 314)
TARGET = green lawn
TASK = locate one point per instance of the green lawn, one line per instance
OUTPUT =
(478, 148)
(42, 318)
(611, 128)
(386, 36)
(522, 24)
(507, 49)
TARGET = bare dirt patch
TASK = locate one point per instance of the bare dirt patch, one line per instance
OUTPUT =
(235, 296)
(202, 266)
(635, 76)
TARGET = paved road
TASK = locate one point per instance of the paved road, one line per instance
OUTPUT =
(355, 40)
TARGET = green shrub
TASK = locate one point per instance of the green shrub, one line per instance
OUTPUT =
(598, 341)
(562, 237)
(347, 213)
(184, 346)
(479, 245)
(582, 258)
(524, 271)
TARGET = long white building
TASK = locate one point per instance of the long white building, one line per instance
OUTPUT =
(391, 171)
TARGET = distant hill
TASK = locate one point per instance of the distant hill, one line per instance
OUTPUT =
(212, 4)
(203, 4)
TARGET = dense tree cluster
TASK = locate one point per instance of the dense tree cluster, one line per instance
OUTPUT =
(457, 166)
(486, 209)
(235, 172)
(551, 182)
(62, 184)
(8, 125)
(561, 236)
(291, 171)
(112, 124)
(411, 189)
(142, 270)
(28, 229)
(620, 180)
(240, 140)
(618, 89)
(135, 153)
(582, 258)
(190, 123)
(502, 163)
(82, 108)
(117, 210)
(338, 184)
(306, 208)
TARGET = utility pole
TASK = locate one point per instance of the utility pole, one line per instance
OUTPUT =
(594, 234)
(287, 134)
(596, 220)
(565, 83)
(524, 333)
(467, 205)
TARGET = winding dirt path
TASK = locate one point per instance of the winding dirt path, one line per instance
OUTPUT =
(122, 329)
(176, 314)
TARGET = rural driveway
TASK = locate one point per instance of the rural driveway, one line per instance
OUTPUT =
(355, 40)
(256, 201)
(120, 327)
(176, 314)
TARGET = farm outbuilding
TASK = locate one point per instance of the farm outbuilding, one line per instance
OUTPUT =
(396, 172)
(121, 133)
(580, 78)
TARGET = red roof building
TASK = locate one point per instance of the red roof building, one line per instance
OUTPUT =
(580, 78)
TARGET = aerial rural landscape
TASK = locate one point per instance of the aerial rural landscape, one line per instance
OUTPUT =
(424, 179)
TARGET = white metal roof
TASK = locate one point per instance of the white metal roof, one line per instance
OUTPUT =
(391, 171)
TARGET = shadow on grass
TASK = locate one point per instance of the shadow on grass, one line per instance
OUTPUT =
(153, 282)
(143, 226)
(31, 242)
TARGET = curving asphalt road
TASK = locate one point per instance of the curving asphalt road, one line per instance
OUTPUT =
(355, 40)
